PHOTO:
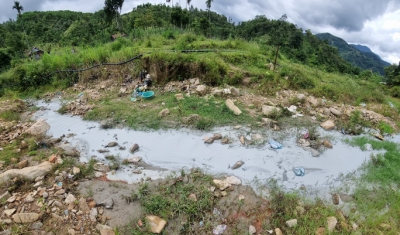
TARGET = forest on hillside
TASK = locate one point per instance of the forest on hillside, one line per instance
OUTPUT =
(68, 29)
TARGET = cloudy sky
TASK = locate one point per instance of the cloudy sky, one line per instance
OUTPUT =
(374, 23)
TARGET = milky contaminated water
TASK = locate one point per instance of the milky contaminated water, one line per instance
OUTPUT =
(173, 150)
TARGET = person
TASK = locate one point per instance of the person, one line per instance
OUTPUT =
(147, 81)
(142, 75)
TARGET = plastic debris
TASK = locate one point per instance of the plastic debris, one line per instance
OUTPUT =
(81, 94)
(59, 184)
(306, 135)
(201, 223)
(299, 171)
(219, 229)
(275, 145)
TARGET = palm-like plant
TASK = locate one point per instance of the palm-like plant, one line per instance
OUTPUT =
(17, 6)
(208, 4)
(188, 3)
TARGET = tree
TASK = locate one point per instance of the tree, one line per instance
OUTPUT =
(111, 8)
(17, 6)
(279, 35)
(188, 3)
(208, 4)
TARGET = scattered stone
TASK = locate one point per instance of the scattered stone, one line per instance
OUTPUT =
(36, 226)
(137, 171)
(103, 150)
(229, 103)
(301, 97)
(346, 198)
(278, 231)
(39, 129)
(106, 231)
(335, 199)
(11, 199)
(164, 113)
(269, 110)
(237, 165)
(193, 197)
(291, 223)
(221, 184)
(313, 101)
(368, 147)
(92, 204)
(219, 229)
(156, 223)
(70, 199)
(5, 196)
(93, 214)
(45, 194)
(332, 221)
(71, 231)
(83, 206)
(242, 140)
(328, 125)
(320, 231)
(201, 89)
(108, 203)
(9, 212)
(225, 141)
(25, 218)
(208, 140)
(335, 112)
(29, 198)
(23, 164)
(267, 121)
(327, 144)
(134, 148)
(252, 230)
(233, 180)
(217, 136)
(111, 144)
(29, 173)
(235, 91)
(385, 226)
(300, 210)
(314, 152)
(76, 170)
(179, 96)
(134, 159)
(354, 226)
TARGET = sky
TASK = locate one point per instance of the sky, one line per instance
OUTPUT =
(374, 23)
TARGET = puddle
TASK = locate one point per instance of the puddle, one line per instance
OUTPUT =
(173, 150)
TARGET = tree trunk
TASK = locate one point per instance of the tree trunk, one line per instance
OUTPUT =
(276, 55)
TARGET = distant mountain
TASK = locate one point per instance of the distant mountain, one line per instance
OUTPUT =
(358, 55)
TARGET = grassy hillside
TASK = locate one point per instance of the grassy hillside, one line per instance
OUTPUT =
(364, 59)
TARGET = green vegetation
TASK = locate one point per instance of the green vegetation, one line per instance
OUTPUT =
(367, 61)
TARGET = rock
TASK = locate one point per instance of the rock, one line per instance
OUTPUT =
(219, 229)
(225, 141)
(346, 198)
(237, 165)
(313, 101)
(292, 109)
(252, 230)
(111, 144)
(9, 212)
(257, 137)
(156, 223)
(193, 197)
(23, 164)
(134, 159)
(354, 226)
(192, 118)
(278, 231)
(368, 147)
(269, 110)
(164, 113)
(291, 223)
(93, 214)
(385, 226)
(108, 203)
(134, 148)
(221, 184)
(101, 168)
(29, 198)
(71, 231)
(92, 204)
(328, 125)
(335, 112)
(242, 140)
(335, 199)
(68, 150)
(226, 91)
(320, 231)
(301, 97)
(29, 173)
(267, 121)
(11, 199)
(201, 89)
(300, 210)
(327, 144)
(103, 150)
(39, 129)
(233, 180)
(70, 199)
(235, 91)
(76, 170)
(229, 103)
(314, 152)
(179, 96)
(22, 218)
(217, 136)
(208, 140)
(36, 226)
(83, 206)
(332, 221)
(107, 231)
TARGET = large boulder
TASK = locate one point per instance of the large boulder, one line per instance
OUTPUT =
(229, 103)
(29, 173)
(39, 129)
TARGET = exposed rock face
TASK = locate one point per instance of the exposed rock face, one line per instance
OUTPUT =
(30, 173)
(38, 129)
(229, 103)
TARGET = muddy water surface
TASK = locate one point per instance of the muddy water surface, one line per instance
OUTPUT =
(173, 150)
